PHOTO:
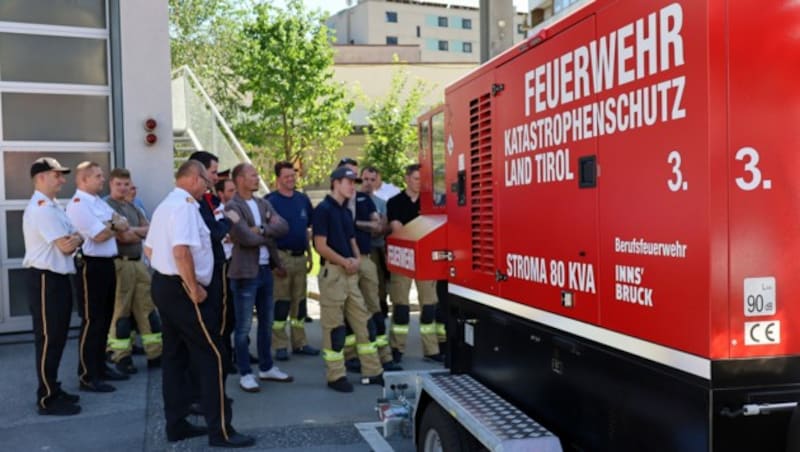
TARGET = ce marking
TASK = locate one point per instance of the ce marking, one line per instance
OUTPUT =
(762, 333)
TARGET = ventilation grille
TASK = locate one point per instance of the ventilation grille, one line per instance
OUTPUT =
(480, 185)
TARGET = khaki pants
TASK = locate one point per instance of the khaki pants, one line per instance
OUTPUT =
(399, 287)
(132, 299)
(289, 294)
(369, 283)
(378, 256)
(340, 299)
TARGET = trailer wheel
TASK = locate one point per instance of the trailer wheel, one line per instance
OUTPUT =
(793, 433)
(440, 433)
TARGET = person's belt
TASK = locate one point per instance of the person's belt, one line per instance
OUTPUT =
(99, 257)
(295, 252)
(128, 258)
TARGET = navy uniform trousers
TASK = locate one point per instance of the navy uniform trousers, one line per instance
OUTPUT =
(50, 303)
(191, 342)
(95, 287)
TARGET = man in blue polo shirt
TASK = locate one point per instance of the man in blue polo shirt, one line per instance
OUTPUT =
(340, 297)
(290, 282)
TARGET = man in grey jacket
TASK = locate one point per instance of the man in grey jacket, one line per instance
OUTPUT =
(254, 255)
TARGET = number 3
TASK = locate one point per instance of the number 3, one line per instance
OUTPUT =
(674, 159)
(751, 166)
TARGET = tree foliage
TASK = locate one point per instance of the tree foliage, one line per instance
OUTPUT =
(295, 110)
(392, 134)
(205, 36)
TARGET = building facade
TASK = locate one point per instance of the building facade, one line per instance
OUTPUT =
(444, 32)
(78, 78)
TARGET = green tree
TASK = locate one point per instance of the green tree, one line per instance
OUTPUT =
(295, 111)
(205, 36)
(392, 133)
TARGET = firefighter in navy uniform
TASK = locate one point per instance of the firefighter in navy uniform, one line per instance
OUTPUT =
(340, 297)
(290, 281)
(50, 241)
(367, 222)
(179, 248)
(219, 225)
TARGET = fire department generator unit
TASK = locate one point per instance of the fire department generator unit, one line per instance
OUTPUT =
(614, 204)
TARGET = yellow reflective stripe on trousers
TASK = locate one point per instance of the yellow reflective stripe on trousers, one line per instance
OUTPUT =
(298, 323)
(382, 340)
(400, 329)
(441, 330)
(332, 355)
(279, 325)
(119, 344)
(369, 348)
(152, 338)
(427, 328)
(350, 340)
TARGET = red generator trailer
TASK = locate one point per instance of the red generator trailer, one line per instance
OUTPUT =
(614, 204)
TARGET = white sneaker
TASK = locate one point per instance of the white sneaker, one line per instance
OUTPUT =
(275, 374)
(248, 383)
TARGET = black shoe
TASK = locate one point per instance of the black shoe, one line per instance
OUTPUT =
(185, 430)
(154, 363)
(341, 385)
(353, 365)
(376, 380)
(234, 440)
(253, 359)
(397, 356)
(59, 407)
(439, 358)
(125, 366)
(309, 320)
(306, 350)
(136, 350)
(392, 366)
(97, 386)
(70, 398)
(112, 375)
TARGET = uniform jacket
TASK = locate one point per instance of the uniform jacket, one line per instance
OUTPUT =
(246, 243)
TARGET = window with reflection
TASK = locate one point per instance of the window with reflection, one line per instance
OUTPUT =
(438, 159)
(16, 166)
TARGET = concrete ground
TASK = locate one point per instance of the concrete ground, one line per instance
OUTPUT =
(303, 415)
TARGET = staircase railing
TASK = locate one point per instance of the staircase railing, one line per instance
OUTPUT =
(196, 117)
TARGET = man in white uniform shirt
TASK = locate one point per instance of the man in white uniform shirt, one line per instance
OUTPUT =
(179, 247)
(95, 283)
(50, 241)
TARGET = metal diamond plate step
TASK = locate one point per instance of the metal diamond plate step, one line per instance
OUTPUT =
(497, 424)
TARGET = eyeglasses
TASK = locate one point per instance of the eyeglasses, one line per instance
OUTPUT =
(348, 161)
(205, 179)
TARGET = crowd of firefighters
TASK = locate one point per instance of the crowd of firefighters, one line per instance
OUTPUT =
(188, 281)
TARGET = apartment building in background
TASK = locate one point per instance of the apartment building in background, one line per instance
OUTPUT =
(444, 32)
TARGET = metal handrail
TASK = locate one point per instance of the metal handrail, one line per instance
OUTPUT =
(237, 147)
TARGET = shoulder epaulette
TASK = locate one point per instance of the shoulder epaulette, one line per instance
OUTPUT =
(76, 199)
(190, 199)
(41, 202)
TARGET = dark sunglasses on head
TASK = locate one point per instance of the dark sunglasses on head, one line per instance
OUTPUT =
(348, 161)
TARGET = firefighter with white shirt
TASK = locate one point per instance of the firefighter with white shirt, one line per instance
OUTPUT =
(95, 283)
(50, 242)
